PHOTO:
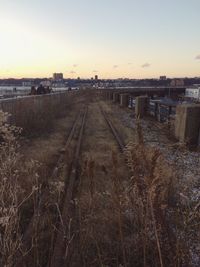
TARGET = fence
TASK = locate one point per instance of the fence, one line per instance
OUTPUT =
(162, 110)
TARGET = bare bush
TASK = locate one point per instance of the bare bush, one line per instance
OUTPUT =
(160, 218)
(137, 218)
(15, 190)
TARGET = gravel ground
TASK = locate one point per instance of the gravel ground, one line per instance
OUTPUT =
(186, 162)
(187, 165)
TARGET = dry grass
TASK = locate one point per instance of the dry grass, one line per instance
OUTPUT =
(137, 219)
(150, 193)
(52, 177)
(18, 185)
(130, 210)
(23, 183)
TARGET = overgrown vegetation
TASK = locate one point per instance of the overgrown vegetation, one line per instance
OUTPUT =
(28, 202)
(130, 210)
(141, 219)
(18, 185)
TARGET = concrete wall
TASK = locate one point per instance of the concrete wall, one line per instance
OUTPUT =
(34, 113)
(141, 106)
(124, 99)
(187, 123)
(110, 96)
(116, 97)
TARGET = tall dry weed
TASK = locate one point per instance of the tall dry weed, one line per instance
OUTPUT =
(15, 191)
(134, 220)
(154, 194)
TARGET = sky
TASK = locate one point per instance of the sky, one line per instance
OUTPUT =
(110, 38)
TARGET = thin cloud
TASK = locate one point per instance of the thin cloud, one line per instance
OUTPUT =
(197, 57)
(146, 65)
(95, 71)
(72, 72)
(130, 63)
(75, 65)
(115, 66)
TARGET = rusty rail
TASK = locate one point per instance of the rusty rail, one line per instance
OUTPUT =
(113, 130)
(36, 215)
(63, 238)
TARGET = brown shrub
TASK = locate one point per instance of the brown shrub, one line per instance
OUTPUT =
(18, 185)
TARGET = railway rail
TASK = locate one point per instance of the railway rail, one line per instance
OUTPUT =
(62, 248)
(170, 235)
(63, 238)
(113, 130)
(44, 195)
(66, 237)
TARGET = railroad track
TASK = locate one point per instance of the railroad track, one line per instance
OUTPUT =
(21, 261)
(63, 240)
(65, 237)
(158, 128)
(113, 130)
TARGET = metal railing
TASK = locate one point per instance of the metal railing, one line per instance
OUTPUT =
(162, 110)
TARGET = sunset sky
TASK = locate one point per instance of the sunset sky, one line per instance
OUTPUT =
(111, 38)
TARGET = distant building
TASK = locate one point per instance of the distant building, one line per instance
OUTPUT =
(96, 77)
(57, 76)
(27, 83)
(177, 82)
(193, 92)
(163, 78)
(45, 83)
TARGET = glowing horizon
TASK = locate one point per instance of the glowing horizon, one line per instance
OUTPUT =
(113, 39)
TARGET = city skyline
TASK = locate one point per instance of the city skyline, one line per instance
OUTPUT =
(111, 39)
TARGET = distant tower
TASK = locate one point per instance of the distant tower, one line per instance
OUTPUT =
(96, 77)
(57, 76)
(163, 78)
